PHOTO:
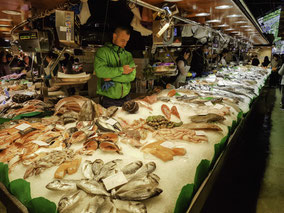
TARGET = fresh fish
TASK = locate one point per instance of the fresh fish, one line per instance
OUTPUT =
(148, 168)
(107, 169)
(139, 193)
(92, 187)
(210, 117)
(97, 166)
(87, 112)
(87, 169)
(129, 206)
(70, 114)
(94, 204)
(68, 201)
(109, 147)
(108, 124)
(111, 110)
(107, 207)
(62, 185)
(132, 167)
(202, 126)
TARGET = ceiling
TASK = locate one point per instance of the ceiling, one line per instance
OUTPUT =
(190, 8)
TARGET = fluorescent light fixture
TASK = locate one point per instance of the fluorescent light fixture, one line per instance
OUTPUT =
(163, 29)
(223, 25)
(229, 29)
(234, 16)
(5, 19)
(11, 12)
(7, 40)
(173, 0)
(235, 32)
(245, 26)
(214, 21)
(223, 7)
(6, 33)
(4, 25)
(240, 22)
(202, 14)
(248, 29)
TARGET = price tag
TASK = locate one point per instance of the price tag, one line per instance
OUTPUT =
(199, 132)
(114, 180)
(193, 105)
(208, 103)
(168, 144)
(218, 106)
(23, 126)
(111, 121)
(63, 29)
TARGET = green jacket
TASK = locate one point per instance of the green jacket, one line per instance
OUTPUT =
(109, 61)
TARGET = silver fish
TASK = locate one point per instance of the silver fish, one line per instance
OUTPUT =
(97, 166)
(108, 169)
(139, 193)
(87, 169)
(87, 112)
(148, 168)
(94, 204)
(107, 207)
(62, 185)
(92, 187)
(129, 206)
(132, 167)
(68, 201)
(104, 124)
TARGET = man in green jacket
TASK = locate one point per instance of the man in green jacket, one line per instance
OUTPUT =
(115, 69)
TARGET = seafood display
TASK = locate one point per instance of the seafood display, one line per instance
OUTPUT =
(159, 121)
(105, 190)
(130, 106)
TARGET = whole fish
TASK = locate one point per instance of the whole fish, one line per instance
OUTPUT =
(139, 193)
(68, 201)
(129, 206)
(94, 204)
(132, 167)
(210, 117)
(92, 187)
(97, 166)
(87, 169)
(62, 185)
(87, 112)
(107, 207)
(108, 169)
(143, 171)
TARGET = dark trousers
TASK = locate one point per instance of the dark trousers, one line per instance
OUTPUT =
(107, 102)
(274, 79)
(282, 95)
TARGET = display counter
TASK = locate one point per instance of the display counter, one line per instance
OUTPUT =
(173, 141)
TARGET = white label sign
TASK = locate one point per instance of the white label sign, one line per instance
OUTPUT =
(114, 180)
(111, 121)
(199, 132)
(23, 126)
(168, 144)
(218, 106)
(63, 29)
(208, 103)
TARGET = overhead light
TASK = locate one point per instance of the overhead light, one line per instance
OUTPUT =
(173, 0)
(163, 29)
(6, 33)
(5, 19)
(229, 29)
(223, 7)
(202, 14)
(214, 21)
(223, 25)
(248, 29)
(11, 12)
(234, 16)
(235, 32)
(7, 40)
(240, 22)
(245, 26)
(4, 25)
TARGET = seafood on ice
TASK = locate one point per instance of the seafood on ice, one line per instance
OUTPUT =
(207, 118)
(202, 126)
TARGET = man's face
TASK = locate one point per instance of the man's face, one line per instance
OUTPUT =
(120, 39)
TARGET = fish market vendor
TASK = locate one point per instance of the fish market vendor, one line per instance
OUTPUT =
(115, 69)
(50, 58)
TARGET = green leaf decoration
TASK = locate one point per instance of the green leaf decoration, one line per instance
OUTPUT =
(21, 189)
(201, 173)
(4, 178)
(41, 205)
(184, 198)
(218, 148)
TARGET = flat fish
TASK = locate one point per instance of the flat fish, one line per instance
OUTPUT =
(132, 167)
(92, 187)
(107, 169)
(210, 117)
(62, 185)
(97, 166)
(94, 204)
(87, 169)
(68, 201)
(129, 206)
(87, 112)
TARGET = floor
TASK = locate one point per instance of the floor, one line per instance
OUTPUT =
(252, 178)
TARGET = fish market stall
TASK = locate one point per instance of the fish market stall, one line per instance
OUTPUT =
(150, 155)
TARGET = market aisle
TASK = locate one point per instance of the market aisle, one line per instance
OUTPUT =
(271, 196)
